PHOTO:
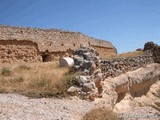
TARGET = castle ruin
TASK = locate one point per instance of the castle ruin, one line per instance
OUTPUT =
(19, 44)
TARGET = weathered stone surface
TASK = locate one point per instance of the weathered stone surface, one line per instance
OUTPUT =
(119, 66)
(149, 46)
(52, 43)
(19, 51)
(154, 50)
(137, 83)
(156, 54)
(87, 87)
(73, 90)
(85, 58)
(81, 80)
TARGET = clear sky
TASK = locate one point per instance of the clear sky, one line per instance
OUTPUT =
(128, 24)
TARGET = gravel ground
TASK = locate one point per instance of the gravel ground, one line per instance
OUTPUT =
(17, 107)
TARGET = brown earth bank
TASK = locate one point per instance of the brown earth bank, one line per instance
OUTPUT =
(128, 94)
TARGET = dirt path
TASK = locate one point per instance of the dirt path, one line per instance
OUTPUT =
(17, 107)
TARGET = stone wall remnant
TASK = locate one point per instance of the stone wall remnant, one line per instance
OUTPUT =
(85, 59)
(14, 51)
(119, 66)
(54, 43)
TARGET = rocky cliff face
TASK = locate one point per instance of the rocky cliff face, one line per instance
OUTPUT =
(134, 92)
(136, 83)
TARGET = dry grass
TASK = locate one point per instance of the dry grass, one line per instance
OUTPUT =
(35, 79)
(129, 54)
(100, 114)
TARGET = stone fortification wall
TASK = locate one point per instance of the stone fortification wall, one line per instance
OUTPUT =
(12, 51)
(53, 40)
(122, 65)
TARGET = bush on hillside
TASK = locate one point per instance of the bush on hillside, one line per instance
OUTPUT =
(100, 114)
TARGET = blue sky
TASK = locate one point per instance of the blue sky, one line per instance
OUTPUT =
(128, 24)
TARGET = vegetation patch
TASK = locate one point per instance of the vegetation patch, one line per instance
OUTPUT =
(45, 87)
(2, 90)
(24, 67)
(38, 83)
(100, 114)
(17, 79)
(125, 55)
(63, 85)
(43, 80)
(6, 71)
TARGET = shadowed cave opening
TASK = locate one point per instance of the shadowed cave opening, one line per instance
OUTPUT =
(46, 57)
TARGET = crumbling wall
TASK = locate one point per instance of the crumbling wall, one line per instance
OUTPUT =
(12, 51)
(104, 51)
(53, 40)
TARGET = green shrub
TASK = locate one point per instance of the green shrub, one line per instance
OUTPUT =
(6, 72)
(63, 85)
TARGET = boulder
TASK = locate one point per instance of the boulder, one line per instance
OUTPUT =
(84, 58)
(87, 87)
(81, 80)
(148, 46)
(73, 90)
(139, 49)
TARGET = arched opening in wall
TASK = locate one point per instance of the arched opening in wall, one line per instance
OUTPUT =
(9, 51)
(62, 44)
(45, 57)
